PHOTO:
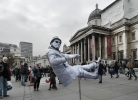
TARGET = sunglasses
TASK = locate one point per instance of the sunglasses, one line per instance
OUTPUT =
(58, 42)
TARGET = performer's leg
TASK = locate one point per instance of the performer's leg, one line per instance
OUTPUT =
(85, 74)
(92, 65)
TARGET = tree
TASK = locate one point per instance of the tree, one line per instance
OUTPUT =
(10, 59)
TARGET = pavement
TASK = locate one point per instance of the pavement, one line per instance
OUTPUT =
(111, 89)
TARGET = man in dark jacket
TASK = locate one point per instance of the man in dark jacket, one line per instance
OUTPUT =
(24, 72)
(100, 72)
(116, 68)
(37, 75)
(4, 77)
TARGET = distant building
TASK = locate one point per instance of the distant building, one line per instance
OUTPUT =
(112, 33)
(14, 50)
(26, 49)
(9, 48)
(38, 60)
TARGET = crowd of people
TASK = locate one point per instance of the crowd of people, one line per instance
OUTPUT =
(34, 74)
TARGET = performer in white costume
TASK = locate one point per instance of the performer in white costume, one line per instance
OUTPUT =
(65, 72)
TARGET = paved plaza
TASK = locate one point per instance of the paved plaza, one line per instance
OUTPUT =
(110, 89)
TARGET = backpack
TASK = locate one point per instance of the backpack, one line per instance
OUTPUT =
(22, 70)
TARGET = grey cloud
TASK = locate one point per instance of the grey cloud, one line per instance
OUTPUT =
(37, 21)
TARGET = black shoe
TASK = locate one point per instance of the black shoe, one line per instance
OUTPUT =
(136, 78)
(117, 76)
(129, 79)
(37, 89)
(100, 82)
(6, 95)
(1, 97)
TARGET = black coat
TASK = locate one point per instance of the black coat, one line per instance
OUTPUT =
(116, 67)
(100, 70)
(6, 71)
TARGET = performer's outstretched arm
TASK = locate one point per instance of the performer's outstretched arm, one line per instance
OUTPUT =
(54, 60)
(70, 56)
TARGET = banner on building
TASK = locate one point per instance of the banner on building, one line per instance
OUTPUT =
(109, 45)
(90, 46)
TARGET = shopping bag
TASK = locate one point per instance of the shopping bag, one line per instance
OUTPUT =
(9, 85)
(47, 80)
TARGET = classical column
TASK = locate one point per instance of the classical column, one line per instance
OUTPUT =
(85, 48)
(105, 47)
(116, 45)
(93, 47)
(99, 46)
(125, 44)
(88, 49)
(81, 52)
(78, 51)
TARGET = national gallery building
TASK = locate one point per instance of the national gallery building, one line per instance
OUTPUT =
(112, 33)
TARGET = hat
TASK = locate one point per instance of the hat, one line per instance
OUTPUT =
(55, 37)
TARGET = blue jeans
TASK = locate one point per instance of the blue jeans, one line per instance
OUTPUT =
(132, 72)
(23, 79)
(3, 86)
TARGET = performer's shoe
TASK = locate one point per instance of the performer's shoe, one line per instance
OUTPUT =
(98, 60)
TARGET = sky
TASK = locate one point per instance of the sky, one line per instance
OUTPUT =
(38, 21)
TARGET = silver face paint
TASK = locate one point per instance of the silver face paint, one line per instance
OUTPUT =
(56, 43)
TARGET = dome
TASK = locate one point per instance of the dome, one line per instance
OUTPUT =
(95, 14)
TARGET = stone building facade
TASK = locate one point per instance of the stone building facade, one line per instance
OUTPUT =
(112, 33)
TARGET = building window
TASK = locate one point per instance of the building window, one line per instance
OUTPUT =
(114, 57)
(120, 38)
(135, 54)
(121, 55)
(133, 36)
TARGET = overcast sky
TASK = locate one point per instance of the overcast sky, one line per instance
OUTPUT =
(37, 21)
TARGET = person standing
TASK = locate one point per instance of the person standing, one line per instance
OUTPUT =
(31, 76)
(37, 75)
(131, 62)
(16, 71)
(116, 68)
(23, 72)
(52, 80)
(123, 67)
(100, 72)
(4, 77)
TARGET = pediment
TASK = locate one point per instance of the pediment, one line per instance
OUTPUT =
(79, 33)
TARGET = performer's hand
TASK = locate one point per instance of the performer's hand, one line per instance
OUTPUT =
(77, 56)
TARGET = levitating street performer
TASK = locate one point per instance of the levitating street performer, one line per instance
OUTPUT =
(65, 72)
